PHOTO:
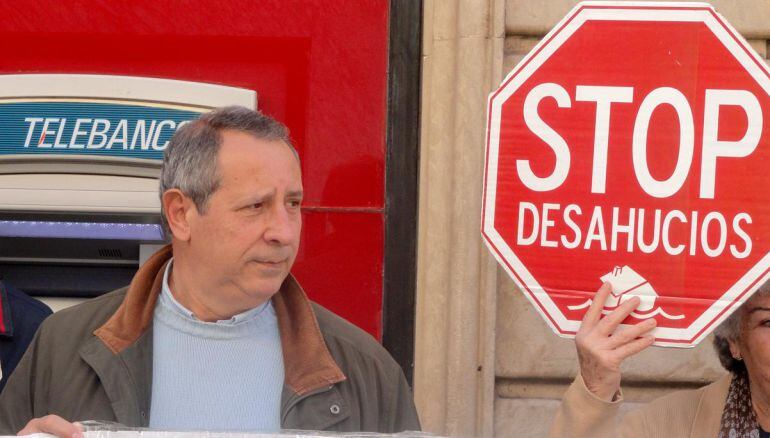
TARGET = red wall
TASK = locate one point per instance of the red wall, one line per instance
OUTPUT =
(319, 66)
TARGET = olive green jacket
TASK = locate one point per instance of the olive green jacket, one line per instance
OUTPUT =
(94, 362)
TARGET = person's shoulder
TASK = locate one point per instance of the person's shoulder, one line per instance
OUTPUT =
(89, 315)
(342, 334)
(689, 399)
(680, 410)
(683, 400)
(21, 303)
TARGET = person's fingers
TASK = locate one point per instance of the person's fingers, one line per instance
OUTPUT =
(634, 346)
(609, 323)
(625, 335)
(54, 425)
(594, 313)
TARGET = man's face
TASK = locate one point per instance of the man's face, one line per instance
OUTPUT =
(246, 241)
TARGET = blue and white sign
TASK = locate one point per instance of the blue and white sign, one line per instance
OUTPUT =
(108, 116)
(93, 144)
(91, 128)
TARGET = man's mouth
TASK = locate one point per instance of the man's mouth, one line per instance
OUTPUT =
(270, 262)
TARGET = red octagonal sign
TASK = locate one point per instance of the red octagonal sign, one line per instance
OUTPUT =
(631, 146)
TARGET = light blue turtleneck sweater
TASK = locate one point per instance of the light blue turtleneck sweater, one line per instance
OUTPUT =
(226, 375)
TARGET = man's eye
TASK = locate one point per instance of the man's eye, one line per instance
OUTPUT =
(295, 203)
(256, 205)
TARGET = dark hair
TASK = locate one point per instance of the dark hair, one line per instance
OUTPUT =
(730, 330)
(722, 347)
(190, 160)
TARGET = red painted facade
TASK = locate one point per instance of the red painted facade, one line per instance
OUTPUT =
(319, 66)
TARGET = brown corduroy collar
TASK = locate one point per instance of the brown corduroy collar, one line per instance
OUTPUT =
(308, 365)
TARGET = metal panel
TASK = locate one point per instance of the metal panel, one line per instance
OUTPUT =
(78, 193)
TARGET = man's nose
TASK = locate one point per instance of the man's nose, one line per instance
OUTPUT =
(281, 226)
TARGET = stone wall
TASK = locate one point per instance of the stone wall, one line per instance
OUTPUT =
(532, 365)
(456, 277)
(486, 364)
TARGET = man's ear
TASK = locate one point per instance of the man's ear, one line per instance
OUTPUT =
(178, 209)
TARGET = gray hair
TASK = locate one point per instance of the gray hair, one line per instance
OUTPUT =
(190, 160)
(730, 330)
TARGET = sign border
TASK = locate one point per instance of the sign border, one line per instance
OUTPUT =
(613, 11)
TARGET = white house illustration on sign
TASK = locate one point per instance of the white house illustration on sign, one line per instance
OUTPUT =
(627, 283)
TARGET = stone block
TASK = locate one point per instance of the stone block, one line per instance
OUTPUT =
(525, 388)
(529, 417)
(524, 417)
(521, 45)
(527, 17)
(509, 62)
(458, 19)
(760, 46)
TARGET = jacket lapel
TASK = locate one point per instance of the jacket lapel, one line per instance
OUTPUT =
(309, 368)
(121, 350)
(134, 316)
(308, 364)
(126, 377)
(138, 361)
(712, 403)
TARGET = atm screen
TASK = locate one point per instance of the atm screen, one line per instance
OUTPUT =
(74, 257)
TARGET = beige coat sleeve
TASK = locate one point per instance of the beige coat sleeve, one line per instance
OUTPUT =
(687, 414)
(582, 414)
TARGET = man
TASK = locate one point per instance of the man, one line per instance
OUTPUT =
(213, 332)
(20, 316)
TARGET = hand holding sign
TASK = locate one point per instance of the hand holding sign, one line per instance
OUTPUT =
(53, 425)
(602, 345)
(649, 163)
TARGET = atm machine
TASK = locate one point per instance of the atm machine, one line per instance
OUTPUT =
(79, 165)
(79, 153)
